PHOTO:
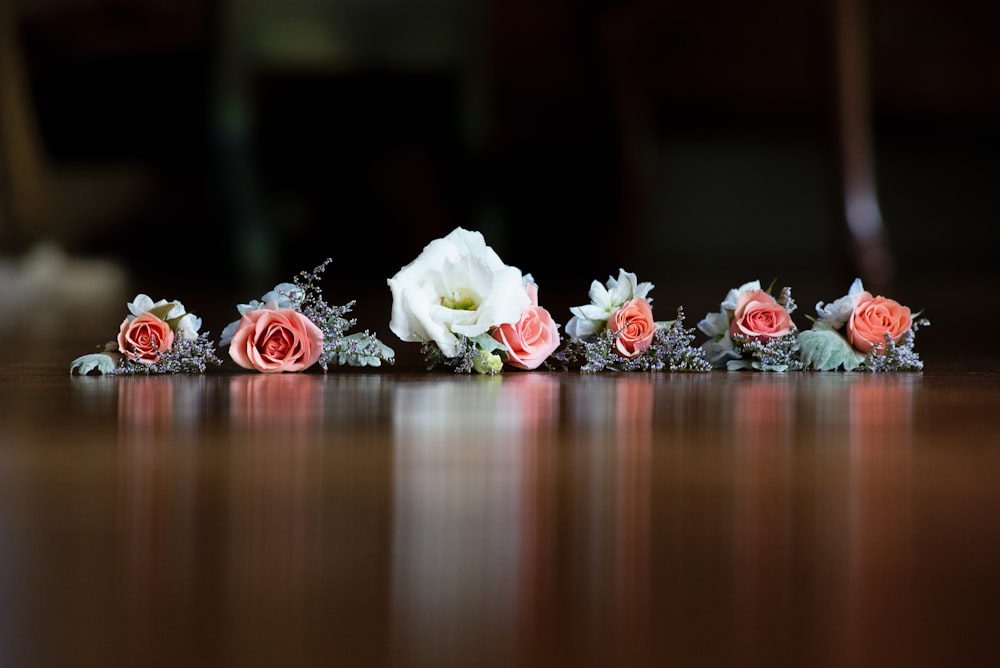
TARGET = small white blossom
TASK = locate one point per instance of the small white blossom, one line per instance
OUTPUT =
(591, 319)
(836, 314)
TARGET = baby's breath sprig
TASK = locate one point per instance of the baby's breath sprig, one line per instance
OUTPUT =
(773, 354)
(897, 356)
(358, 349)
(785, 300)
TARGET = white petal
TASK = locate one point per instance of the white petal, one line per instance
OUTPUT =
(600, 296)
(141, 304)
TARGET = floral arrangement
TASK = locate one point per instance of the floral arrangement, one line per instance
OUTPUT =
(616, 332)
(291, 328)
(469, 310)
(752, 330)
(155, 338)
(862, 331)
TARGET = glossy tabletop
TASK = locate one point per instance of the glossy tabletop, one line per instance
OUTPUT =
(403, 518)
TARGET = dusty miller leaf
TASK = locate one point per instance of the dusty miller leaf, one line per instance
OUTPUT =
(826, 350)
(100, 363)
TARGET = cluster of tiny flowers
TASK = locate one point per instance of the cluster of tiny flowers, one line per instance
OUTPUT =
(471, 356)
(779, 353)
(183, 357)
(358, 349)
(670, 349)
(897, 356)
(677, 349)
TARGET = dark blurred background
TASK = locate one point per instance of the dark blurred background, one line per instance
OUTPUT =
(219, 146)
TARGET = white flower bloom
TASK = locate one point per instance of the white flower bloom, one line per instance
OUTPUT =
(592, 318)
(143, 304)
(188, 326)
(457, 286)
(837, 314)
(729, 303)
(715, 325)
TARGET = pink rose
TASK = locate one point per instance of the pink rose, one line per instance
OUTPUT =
(532, 338)
(276, 340)
(872, 318)
(633, 327)
(144, 338)
(759, 316)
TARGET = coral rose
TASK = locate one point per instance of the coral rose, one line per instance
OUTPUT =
(633, 327)
(759, 316)
(873, 318)
(145, 337)
(531, 339)
(276, 340)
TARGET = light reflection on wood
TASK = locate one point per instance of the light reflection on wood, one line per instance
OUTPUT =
(275, 500)
(468, 496)
(881, 515)
(158, 441)
(763, 423)
(531, 519)
(634, 401)
(485, 551)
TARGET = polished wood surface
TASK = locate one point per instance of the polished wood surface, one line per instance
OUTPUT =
(531, 519)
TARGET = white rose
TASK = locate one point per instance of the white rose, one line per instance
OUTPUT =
(457, 286)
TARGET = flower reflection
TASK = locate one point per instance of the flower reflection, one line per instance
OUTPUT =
(880, 514)
(482, 525)
(277, 478)
(158, 423)
(763, 425)
(471, 514)
(609, 524)
(292, 404)
(634, 401)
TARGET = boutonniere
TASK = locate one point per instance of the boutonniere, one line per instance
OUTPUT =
(155, 338)
(752, 330)
(291, 328)
(616, 331)
(862, 331)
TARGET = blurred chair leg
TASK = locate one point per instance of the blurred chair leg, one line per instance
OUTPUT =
(23, 201)
(868, 245)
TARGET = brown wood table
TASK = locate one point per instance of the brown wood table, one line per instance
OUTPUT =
(403, 518)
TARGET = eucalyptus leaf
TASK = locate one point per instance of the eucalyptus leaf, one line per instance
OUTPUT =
(826, 350)
(101, 363)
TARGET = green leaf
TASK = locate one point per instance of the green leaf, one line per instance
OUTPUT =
(487, 343)
(163, 310)
(100, 363)
(826, 350)
(363, 349)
